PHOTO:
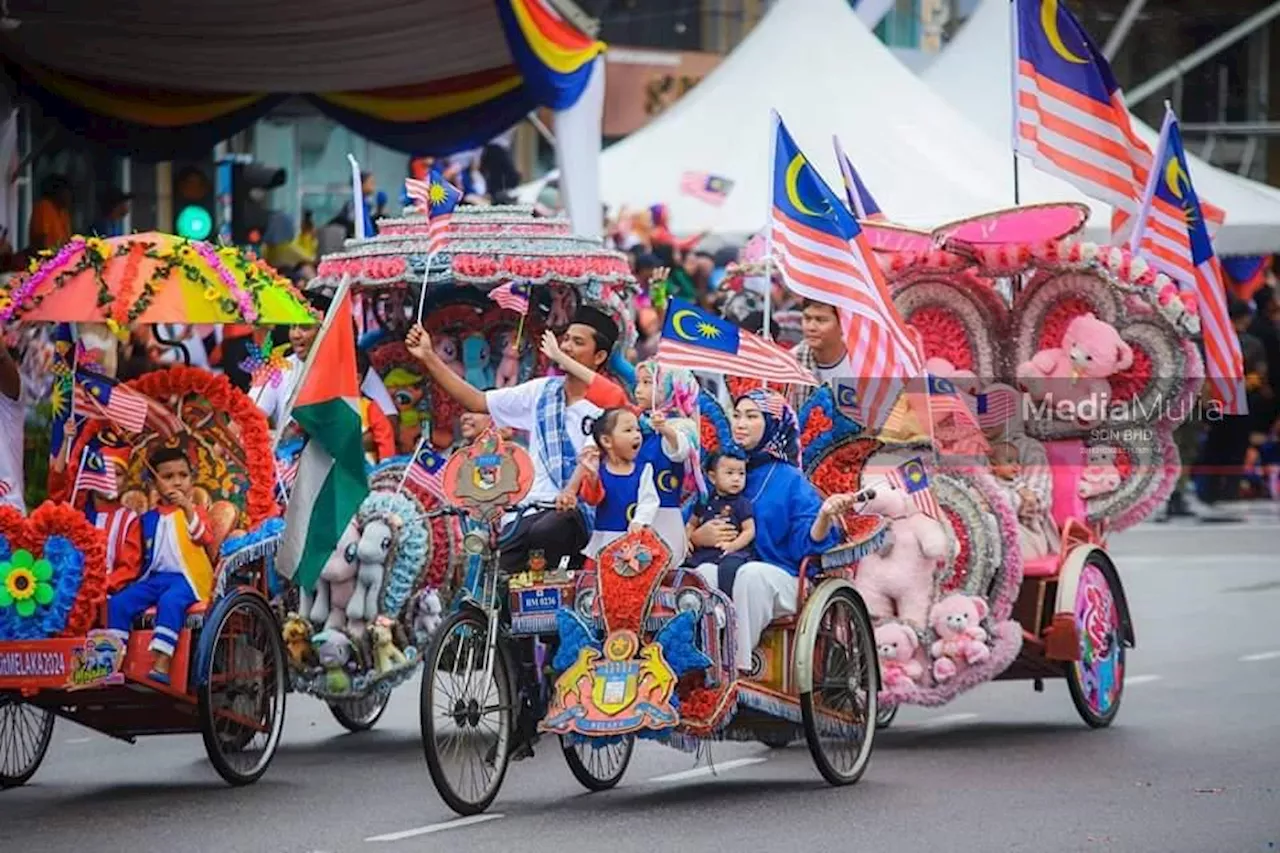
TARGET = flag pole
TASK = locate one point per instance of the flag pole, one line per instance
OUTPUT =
(325, 326)
(768, 231)
(1154, 175)
(1013, 95)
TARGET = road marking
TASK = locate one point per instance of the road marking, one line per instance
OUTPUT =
(717, 768)
(1141, 679)
(1260, 656)
(457, 823)
(79, 739)
(936, 722)
(1123, 560)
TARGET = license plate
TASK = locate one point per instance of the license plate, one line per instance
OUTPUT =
(542, 600)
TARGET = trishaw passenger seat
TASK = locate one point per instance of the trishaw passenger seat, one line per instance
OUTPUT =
(1066, 462)
(195, 617)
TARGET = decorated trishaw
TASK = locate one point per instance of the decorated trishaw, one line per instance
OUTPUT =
(60, 656)
(405, 541)
(1078, 361)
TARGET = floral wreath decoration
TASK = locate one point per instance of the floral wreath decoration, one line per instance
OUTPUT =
(50, 270)
(443, 554)
(52, 573)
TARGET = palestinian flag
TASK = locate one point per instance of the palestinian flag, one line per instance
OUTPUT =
(331, 481)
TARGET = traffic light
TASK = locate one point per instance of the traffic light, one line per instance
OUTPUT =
(193, 199)
(250, 183)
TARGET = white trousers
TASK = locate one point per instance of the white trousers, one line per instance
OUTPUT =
(762, 592)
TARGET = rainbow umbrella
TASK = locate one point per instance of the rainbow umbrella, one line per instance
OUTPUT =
(152, 278)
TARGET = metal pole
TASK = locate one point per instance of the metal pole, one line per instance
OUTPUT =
(542, 129)
(1117, 35)
(1145, 90)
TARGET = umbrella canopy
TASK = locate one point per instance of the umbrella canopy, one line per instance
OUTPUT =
(152, 278)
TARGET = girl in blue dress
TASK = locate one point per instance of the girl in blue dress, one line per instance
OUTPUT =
(616, 480)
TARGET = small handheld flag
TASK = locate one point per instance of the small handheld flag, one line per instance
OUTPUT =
(698, 340)
(442, 199)
(860, 200)
(96, 396)
(95, 473)
(425, 472)
(512, 296)
(913, 478)
(712, 189)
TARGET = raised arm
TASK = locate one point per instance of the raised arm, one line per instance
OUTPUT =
(551, 349)
(468, 396)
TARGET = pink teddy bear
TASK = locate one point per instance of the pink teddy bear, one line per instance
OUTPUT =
(1100, 476)
(898, 582)
(896, 645)
(1092, 350)
(961, 640)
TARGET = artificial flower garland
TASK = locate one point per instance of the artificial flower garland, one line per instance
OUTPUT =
(56, 561)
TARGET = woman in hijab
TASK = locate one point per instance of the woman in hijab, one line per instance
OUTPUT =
(792, 520)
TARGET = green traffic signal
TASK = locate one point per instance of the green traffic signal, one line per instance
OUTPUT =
(194, 223)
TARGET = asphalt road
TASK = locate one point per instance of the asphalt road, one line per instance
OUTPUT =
(1192, 764)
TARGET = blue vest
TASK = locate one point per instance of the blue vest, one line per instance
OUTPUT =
(668, 476)
(621, 492)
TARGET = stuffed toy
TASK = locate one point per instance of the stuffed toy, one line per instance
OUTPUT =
(336, 585)
(1091, 351)
(375, 551)
(297, 642)
(477, 369)
(1100, 476)
(896, 644)
(508, 372)
(961, 640)
(426, 614)
(447, 348)
(334, 650)
(966, 381)
(898, 581)
(385, 654)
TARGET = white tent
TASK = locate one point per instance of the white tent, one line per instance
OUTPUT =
(820, 67)
(972, 73)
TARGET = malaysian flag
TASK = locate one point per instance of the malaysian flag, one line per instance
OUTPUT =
(698, 340)
(512, 296)
(952, 424)
(712, 189)
(996, 407)
(442, 198)
(96, 396)
(860, 200)
(95, 474)
(913, 478)
(287, 470)
(425, 472)
(1187, 256)
(418, 192)
(1070, 118)
(823, 255)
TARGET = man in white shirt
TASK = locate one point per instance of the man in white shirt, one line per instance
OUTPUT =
(558, 417)
(822, 350)
(12, 420)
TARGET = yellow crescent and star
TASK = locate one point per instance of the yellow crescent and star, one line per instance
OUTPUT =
(1177, 179)
(1049, 23)
(667, 481)
(793, 193)
(704, 329)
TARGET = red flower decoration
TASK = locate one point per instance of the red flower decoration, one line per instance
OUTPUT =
(815, 425)
(1129, 384)
(944, 335)
(707, 432)
(841, 470)
(960, 566)
(1057, 318)
(1124, 463)
(630, 568)
(739, 385)
(55, 519)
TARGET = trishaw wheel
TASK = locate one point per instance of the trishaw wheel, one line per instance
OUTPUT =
(467, 720)
(885, 715)
(839, 712)
(1096, 680)
(242, 696)
(360, 715)
(598, 768)
(25, 732)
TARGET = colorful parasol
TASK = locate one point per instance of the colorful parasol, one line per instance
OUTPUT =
(152, 278)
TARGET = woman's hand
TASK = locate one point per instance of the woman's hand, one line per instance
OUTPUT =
(712, 534)
(837, 505)
(418, 342)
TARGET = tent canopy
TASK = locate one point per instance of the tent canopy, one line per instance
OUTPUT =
(826, 74)
(160, 77)
(972, 74)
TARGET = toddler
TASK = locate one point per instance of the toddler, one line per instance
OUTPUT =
(176, 566)
(615, 481)
(727, 473)
(1037, 532)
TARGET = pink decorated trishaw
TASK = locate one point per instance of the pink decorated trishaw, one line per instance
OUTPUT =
(1078, 362)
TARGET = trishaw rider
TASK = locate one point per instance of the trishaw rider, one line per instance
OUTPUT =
(792, 520)
(558, 417)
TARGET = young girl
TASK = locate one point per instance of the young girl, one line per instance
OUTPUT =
(619, 485)
(667, 409)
